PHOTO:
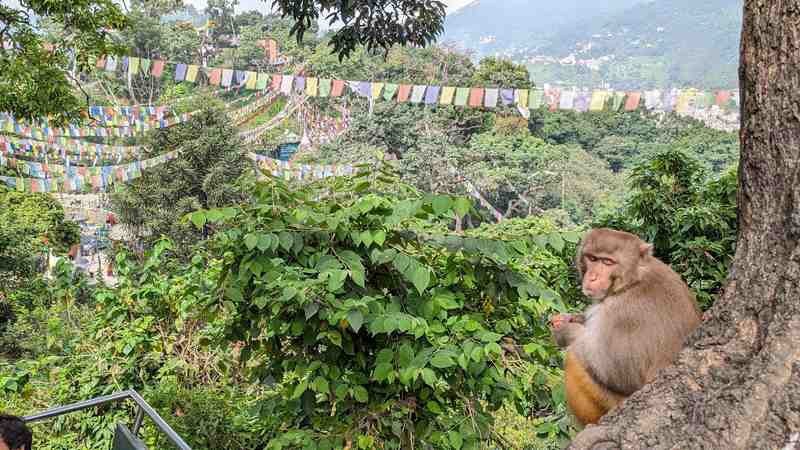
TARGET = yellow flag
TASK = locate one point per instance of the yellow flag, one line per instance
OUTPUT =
(376, 89)
(252, 78)
(311, 86)
(191, 73)
(521, 97)
(448, 92)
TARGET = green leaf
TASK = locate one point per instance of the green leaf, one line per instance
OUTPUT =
(198, 218)
(379, 237)
(250, 241)
(442, 361)
(441, 203)
(350, 259)
(214, 215)
(366, 238)
(264, 242)
(455, 439)
(299, 390)
(477, 354)
(488, 336)
(336, 279)
(493, 347)
(310, 309)
(286, 240)
(382, 371)
(384, 356)
(335, 338)
(358, 276)
(447, 301)
(462, 206)
(355, 319)
(360, 394)
(420, 278)
(556, 242)
(429, 377)
(321, 385)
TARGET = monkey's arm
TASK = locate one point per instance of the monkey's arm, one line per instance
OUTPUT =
(567, 333)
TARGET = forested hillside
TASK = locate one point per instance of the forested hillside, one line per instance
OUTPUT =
(317, 263)
(659, 43)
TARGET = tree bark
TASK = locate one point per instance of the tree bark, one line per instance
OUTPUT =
(737, 384)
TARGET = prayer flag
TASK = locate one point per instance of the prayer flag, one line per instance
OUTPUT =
(239, 78)
(262, 81)
(535, 98)
(669, 99)
(362, 88)
(722, 98)
(521, 97)
(215, 76)
(553, 98)
(432, 95)
(490, 101)
(682, 106)
(252, 79)
(618, 101)
(275, 83)
(417, 93)
(507, 96)
(180, 72)
(191, 73)
(582, 100)
(462, 94)
(632, 102)
(227, 77)
(145, 65)
(158, 68)
(403, 93)
(567, 99)
(111, 64)
(287, 81)
(272, 46)
(311, 86)
(325, 87)
(389, 91)
(133, 66)
(300, 84)
(448, 92)
(338, 88)
(598, 100)
(376, 89)
(475, 97)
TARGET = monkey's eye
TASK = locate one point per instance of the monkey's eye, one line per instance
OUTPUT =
(608, 262)
(591, 258)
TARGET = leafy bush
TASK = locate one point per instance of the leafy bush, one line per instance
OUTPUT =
(373, 334)
(690, 219)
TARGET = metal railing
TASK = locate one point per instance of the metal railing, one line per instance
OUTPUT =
(142, 409)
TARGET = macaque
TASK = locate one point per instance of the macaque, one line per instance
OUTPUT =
(641, 314)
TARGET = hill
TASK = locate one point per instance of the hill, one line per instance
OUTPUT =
(515, 27)
(658, 43)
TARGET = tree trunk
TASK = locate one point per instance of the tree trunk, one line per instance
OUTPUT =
(737, 384)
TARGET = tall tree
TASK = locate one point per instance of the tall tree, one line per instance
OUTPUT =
(736, 385)
(375, 24)
(34, 80)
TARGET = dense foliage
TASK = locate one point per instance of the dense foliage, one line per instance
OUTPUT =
(689, 217)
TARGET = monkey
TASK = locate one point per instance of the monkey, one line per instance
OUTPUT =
(641, 314)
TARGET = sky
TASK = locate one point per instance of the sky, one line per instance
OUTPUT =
(262, 5)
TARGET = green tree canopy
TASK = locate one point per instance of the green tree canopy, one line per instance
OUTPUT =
(34, 79)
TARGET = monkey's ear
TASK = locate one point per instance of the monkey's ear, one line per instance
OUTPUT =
(645, 249)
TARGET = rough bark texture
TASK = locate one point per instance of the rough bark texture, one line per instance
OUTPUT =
(737, 384)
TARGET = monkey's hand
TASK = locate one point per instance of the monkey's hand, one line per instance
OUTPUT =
(566, 328)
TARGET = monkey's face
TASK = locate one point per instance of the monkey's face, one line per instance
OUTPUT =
(608, 262)
(598, 276)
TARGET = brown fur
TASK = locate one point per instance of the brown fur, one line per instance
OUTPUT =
(642, 314)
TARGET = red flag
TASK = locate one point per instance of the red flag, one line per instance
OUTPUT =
(158, 68)
(403, 92)
(476, 97)
(338, 88)
(632, 102)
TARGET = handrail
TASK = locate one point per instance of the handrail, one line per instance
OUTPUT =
(143, 408)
